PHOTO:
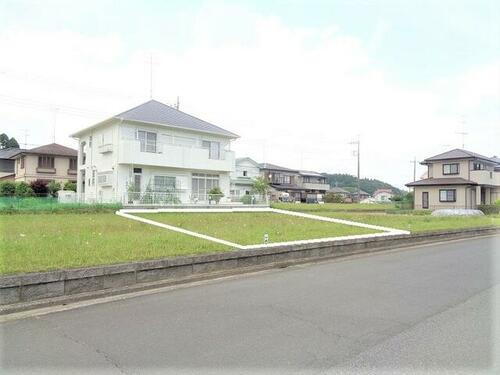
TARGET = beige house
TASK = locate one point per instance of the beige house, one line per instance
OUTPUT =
(51, 162)
(457, 179)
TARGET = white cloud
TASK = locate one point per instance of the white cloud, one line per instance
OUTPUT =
(296, 96)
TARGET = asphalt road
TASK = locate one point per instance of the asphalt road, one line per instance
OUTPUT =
(428, 309)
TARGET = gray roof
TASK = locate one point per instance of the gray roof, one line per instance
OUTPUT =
(52, 149)
(159, 113)
(442, 181)
(458, 154)
(338, 190)
(7, 153)
(311, 173)
(246, 158)
(276, 167)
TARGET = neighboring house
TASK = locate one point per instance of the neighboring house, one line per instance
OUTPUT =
(457, 179)
(51, 162)
(284, 182)
(7, 163)
(293, 185)
(314, 185)
(382, 195)
(340, 192)
(242, 178)
(153, 153)
(358, 196)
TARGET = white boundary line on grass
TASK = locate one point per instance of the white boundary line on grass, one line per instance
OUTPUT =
(128, 213)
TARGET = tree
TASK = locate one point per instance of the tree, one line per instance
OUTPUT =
(7, 188)
(70, 186)
(53, 187)
(24, 190)
(6, 142)
(260, 186)
(39, 187)
(333, 198)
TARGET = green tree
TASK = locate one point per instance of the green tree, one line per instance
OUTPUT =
(260, 186)
(7, 188)
(24, 190)
(53, 187)
(333, 198)
(6, 142)
(70, 186)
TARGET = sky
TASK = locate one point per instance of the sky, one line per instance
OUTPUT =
(298, 80)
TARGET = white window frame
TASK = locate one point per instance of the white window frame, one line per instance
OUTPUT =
(147, 145)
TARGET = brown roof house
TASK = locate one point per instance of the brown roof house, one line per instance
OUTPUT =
(51, 162)
(457, 179)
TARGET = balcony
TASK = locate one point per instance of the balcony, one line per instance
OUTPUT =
(103, 149)
(46, 170)
(315, 186)
(174, 156)
(72, 171)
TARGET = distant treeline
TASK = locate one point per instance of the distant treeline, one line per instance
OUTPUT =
(350, 182)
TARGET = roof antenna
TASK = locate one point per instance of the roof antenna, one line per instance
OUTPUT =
(54, 127)
(151, 76)
(463, 133)
(177, 103)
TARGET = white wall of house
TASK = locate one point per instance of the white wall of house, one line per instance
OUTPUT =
(112, 150)
(243, 176)
(383, 196)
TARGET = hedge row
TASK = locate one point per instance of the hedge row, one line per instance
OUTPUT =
(37, 188)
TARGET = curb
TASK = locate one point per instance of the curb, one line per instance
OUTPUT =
(34, 290)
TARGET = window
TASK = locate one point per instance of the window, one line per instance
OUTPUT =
(450, 168)
(449, 195)
(137, 170)
(245, 174)
(478, 166)
(137, 183)
(213, 149)
(22, 162)
(46, 162)
(90, 141)
(164, 183)
(72, 163)
(202, 183)
(93, 177)
(147, 140)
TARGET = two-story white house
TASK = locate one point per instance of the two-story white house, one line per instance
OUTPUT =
(242, 179)
(457, 179)
(153, 153)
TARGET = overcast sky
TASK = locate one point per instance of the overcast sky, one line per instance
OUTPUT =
(297, 80)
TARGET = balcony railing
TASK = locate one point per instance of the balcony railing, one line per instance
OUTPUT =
(103, 149)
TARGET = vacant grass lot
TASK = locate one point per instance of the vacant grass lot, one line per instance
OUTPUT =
(333, 207)
(248, 228)
(412, 222)
(40, 242)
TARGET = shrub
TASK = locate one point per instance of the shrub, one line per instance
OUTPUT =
(53, 187)
(7, 188)
(333, 198)
(246, 199)
(24, 190)
(39, 187)
(215, 194)
(260, 186)
(70, 186)
(489, 209)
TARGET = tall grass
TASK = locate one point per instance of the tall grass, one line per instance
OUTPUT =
(13, 205)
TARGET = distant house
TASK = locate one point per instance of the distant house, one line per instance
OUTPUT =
(52, 162)
(340, 192)
(383, 195)
(358, 196)
(7, 163)
(242, 178)
(457, 179)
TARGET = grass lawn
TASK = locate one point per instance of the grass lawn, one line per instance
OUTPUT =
(333, 207)
(40, 242)
(413, 223)
(248, 228)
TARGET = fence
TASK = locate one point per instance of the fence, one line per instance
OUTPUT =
(184, 197)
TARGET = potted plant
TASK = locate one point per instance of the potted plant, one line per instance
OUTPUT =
(214, 195)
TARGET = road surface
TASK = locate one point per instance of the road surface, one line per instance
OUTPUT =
(421, 310)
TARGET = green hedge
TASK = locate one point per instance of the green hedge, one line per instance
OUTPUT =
(12, 205)
(489, 209)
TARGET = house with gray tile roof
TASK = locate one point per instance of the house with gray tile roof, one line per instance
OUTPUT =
(154, 154)
(457, 179)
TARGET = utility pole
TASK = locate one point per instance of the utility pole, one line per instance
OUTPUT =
(414, 161)
(357, 143)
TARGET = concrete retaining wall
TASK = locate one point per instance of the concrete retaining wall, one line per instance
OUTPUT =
(22, 288)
